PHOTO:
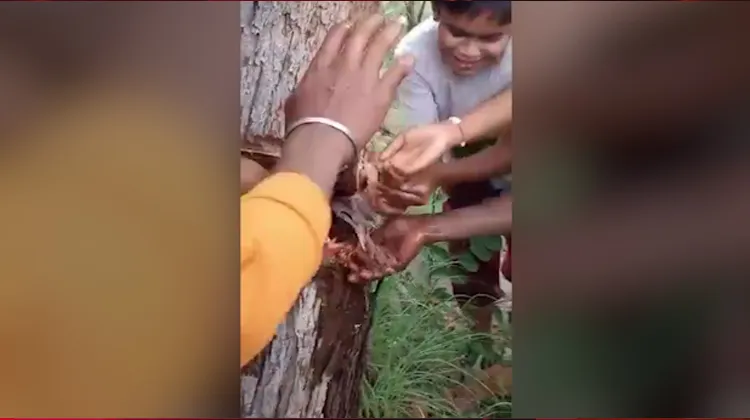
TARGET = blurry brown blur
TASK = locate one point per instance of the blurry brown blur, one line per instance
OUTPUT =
(632, 247)
(118, 255)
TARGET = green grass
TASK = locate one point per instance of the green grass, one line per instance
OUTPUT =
(421, 347)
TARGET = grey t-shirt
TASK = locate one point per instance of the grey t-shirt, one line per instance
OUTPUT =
(432, 93)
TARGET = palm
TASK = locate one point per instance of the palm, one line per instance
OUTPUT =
(392, 196)
(402, 239)
(418, 148)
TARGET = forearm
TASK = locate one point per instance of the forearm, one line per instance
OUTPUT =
(490, 119)
(493, 217)
(493, 161)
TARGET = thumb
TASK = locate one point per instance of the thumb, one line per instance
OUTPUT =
(393, 148)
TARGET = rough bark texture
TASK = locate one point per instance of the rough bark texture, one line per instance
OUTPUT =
(315, 365)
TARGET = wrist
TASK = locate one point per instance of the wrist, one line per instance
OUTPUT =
(439, 175)
(323, 145)
(430, 229)
(318, 152)
(457, 136)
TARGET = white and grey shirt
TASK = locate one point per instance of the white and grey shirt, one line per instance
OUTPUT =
(431, 92)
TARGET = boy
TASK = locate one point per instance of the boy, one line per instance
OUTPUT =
(458, 98)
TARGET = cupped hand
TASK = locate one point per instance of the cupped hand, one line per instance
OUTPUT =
(395, 194)
(398, 242)
(419, 147)
(343, 82)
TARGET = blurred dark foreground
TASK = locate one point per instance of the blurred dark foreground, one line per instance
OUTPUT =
(631, 271)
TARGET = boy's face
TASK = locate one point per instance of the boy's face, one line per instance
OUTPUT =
(470, 43)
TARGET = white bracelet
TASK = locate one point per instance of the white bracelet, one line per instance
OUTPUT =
(325, 121)
(457, 121)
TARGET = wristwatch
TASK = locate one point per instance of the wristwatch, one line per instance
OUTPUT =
(457, 121)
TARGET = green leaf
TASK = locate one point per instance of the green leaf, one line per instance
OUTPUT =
(491, 242)
(480, 251)
(420, 210)
(468, 262)
(439, 253)
(462, 279)
(482, 348)
(450, 271)
(443, 294)
(438, 200)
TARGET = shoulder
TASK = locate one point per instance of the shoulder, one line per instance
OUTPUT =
(501, 75)
(507, 61)
(421, 43)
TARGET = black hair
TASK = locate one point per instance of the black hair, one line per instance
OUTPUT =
(499, 9)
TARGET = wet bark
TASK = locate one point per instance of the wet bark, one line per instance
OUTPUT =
(315, 364)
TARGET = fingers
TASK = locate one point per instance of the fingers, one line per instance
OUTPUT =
(393, 174)
(407, 167)
(396, 73)
(406, 198)
(385, 208)
(364, 268)
(396, 145)
(382, 44)
(401, 197)
(356, 44)
(332, 44)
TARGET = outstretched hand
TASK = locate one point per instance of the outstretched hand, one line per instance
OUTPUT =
(419, 147)
(395, 244)
(393, 194)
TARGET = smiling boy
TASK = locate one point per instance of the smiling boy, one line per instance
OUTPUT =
(463, 58)
(458, 95)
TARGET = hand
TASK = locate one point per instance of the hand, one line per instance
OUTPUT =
(343, 82)
(395, 194)
(419, 147)
(397, 243)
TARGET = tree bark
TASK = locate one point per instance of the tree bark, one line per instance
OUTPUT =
(316, 362)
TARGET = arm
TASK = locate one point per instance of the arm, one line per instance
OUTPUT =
(284, 223)
(493, 217)
(493, 161)
(416, 149)
(490, 119)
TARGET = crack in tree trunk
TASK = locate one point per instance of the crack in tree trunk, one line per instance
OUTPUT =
(315, 364)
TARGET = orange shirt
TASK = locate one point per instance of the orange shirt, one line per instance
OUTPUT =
(284, 222)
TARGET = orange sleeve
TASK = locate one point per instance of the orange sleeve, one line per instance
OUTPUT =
(284, 222)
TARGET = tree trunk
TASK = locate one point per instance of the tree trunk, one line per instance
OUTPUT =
(316, 362)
